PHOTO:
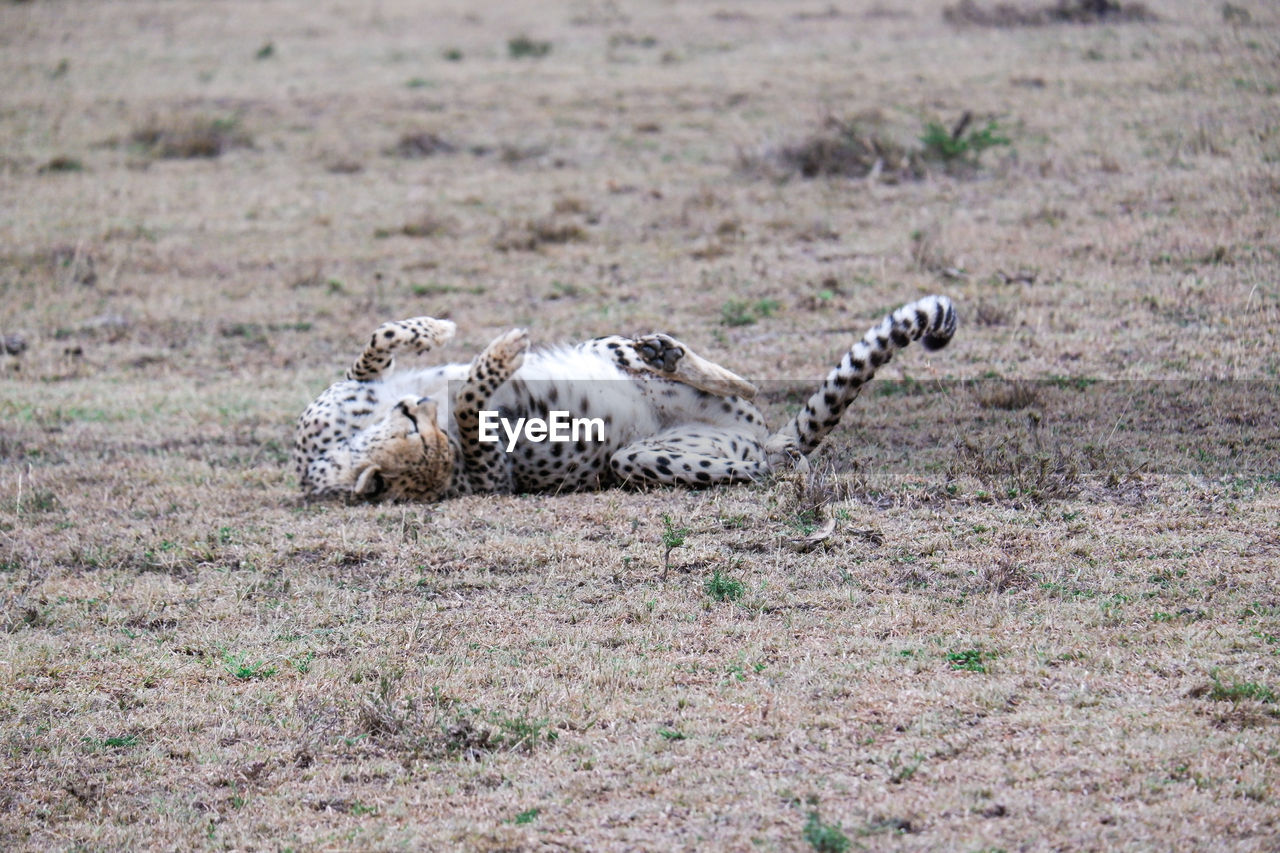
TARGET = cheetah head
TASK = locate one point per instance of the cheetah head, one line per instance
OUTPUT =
(404, 456)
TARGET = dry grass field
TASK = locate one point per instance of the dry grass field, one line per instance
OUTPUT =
(1046, 616)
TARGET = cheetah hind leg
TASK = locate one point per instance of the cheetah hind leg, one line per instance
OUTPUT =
(693, 456)
(666, 356)
(485, 463)
(416, 335)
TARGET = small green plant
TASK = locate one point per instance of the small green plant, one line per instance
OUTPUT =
(805, 522)
(267, 51)
(672, 538)
(969, 660)
(474, 729)
(38, 500)
(526, 816)
(452, 54)
(240, 667)
(671, 734)
(522, 46)
(738, 312)
(900, 771)
(960, 145)
(1238, 691)
(767, 307)
(435, 288)
(522, 729)
(724, 588)
(825, 837)
(117, 742)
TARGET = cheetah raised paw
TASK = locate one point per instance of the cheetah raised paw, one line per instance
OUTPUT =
(669, 357)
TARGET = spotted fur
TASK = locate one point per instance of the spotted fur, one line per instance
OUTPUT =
(670, 416)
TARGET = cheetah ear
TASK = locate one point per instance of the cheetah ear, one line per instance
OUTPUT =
(370, 482)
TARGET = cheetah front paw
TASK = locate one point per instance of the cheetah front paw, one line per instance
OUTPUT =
(508, 349)
(427, 333)
(664, 354)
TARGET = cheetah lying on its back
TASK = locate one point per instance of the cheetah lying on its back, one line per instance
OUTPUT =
(668, 415)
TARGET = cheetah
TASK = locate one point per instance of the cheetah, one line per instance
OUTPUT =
(666, 415)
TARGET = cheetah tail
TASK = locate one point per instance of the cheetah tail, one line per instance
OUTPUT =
(931, 320)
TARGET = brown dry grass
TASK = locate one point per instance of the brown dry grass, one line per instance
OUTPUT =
(1045, 615)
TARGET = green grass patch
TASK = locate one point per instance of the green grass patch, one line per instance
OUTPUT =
(724, 588)
(825, 837)
(1241, 691)
(967, 660)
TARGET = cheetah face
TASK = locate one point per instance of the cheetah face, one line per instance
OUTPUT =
(404, 456)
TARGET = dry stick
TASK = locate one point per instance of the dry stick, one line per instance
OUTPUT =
(1107, 444)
